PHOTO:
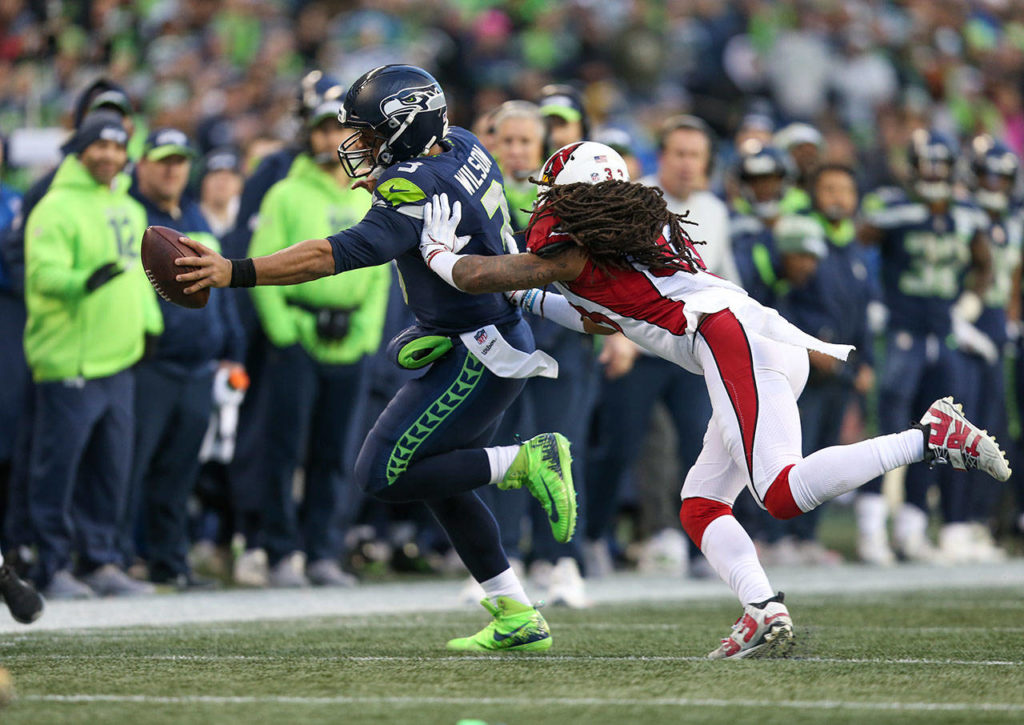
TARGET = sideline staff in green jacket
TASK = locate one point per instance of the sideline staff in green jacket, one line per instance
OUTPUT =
(322, 333)
(89, 309)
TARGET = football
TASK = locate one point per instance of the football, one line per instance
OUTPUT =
(160, 247)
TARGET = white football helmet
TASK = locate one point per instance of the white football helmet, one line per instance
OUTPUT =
(586, 162)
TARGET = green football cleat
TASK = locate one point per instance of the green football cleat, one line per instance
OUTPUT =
(544, 465)
(516, 628)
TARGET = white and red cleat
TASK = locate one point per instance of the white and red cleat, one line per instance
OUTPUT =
(951, 438)
(764, 630)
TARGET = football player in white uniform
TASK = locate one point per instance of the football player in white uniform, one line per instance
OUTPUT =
(624, 263)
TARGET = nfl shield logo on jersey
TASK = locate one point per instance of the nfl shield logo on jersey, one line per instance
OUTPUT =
(480, 337)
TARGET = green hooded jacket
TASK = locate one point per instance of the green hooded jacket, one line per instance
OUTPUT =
(309, 203)
(78, 226)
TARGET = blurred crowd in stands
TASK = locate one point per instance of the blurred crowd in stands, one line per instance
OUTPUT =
(853, 163)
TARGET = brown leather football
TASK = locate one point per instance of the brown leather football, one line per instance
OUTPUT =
(160, 247)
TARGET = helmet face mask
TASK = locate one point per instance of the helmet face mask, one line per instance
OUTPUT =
(932, 179)
(763, 174)
(931, 161)
(992, 173)
(764, 194)
(404, 110)
(993, 192)
(356, 155)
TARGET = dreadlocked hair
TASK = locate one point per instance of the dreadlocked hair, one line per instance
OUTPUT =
(619, 224)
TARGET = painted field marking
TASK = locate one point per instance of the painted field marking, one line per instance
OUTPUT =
(535, 702)
(518, 658)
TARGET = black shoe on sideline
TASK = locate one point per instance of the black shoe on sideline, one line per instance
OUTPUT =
(21, 597)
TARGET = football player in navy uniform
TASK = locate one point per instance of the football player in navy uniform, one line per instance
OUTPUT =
(928, 242)
(763, 175)
(991, 174)
(431, 443)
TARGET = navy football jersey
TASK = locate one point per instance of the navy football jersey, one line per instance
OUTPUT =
(391, 231)
(1005, 236)
(753, 250)
(924, 259)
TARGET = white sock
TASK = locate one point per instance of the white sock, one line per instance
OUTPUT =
(506, 584)
(832, 471)
(910, 524)
(1, 558)
(500, 458)
(871, 512)
(731, 553)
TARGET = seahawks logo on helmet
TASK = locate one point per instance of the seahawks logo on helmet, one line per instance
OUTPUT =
(424, 98)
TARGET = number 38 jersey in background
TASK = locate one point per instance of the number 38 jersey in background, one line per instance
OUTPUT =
(391, 231)
(924, 258)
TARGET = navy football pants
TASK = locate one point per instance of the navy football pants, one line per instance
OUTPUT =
(427, 446)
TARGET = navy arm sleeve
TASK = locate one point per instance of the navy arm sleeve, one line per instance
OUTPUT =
(381, 236)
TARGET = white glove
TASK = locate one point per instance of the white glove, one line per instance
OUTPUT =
(973, 341)
(1013, 330)
(878, 316)
(438, 242)
(968, 306)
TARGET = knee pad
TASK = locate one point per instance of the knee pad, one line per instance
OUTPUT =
(779, 499)
(696, 514)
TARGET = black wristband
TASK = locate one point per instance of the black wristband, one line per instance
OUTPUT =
(243, 273)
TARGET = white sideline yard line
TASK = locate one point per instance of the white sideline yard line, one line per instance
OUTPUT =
(537, 702)
(499, 659)
(412, 597)
(135, 633)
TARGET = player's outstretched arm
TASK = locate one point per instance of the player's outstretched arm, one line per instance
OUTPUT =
(556, 308)
(478, 274)
(298, 263)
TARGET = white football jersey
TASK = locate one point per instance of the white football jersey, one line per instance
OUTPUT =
(661, 310)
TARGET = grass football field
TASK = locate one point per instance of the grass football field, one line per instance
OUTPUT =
(882, 657)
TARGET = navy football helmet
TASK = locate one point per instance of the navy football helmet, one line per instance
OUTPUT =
(992, 172)
(316, 89)
(931, 158)
(758, 161)
(404, 110)
(319, 98)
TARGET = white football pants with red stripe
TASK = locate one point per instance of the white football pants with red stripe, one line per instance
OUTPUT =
(754, 440)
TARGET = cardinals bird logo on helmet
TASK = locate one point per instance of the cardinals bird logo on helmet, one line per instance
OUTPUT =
(586, 162)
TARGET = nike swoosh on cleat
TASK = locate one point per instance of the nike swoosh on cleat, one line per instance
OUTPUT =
(498, 637)
(554, 509)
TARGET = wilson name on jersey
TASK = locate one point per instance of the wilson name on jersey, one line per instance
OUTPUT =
(391, 231)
